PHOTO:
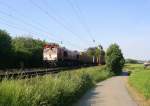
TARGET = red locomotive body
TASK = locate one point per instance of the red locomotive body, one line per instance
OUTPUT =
(55, 55)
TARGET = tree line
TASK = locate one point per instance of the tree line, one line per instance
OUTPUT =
(20, 51)
(97, 52)
(113, 57)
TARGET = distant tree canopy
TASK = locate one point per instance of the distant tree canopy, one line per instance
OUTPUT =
(97, 52)
(28, 51)
(5, 42)
(91, 51)
(133, 61)
(114, 59)
(5, 48)
(20, 51)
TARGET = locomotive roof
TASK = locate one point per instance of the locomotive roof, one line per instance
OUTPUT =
(51, 45)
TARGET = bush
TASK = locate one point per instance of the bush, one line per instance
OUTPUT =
(114, 59)
(5, 49)
(61, 89)
(20, 51)
(28, 52)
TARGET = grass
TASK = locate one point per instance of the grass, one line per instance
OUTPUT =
(61, 89)
(140, 79)
(134, 67)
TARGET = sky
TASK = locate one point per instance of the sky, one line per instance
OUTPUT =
(76, 23)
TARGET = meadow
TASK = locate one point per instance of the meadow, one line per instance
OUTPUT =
(139, 78)
(61, 89)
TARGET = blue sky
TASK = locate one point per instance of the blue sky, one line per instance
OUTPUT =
(76, 22)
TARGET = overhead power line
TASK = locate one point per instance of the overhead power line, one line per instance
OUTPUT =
(33, 33)
(29, 24)
(23, 29)
(57, 21)
(24, 22)
(59, 16)
(81, 18)
(22, 15)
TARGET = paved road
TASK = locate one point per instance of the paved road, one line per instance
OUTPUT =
(111, 92)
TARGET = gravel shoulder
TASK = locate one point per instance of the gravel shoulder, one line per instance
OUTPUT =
(111, 92)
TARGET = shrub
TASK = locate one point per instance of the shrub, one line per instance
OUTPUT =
(28, 51)
(114, 59)
(5, 49)
(20, 51)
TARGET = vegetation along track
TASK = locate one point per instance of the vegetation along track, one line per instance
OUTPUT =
(31, 73)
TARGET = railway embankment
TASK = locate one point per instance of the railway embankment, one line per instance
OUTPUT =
(61, 89)
(30, 73)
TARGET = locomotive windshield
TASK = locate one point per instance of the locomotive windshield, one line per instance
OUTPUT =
(50, 53)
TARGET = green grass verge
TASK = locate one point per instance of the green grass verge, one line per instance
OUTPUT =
(134, 67)
(61, 89)
(140, 79)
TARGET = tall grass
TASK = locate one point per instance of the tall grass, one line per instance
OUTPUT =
(51, 90)
(140, 79)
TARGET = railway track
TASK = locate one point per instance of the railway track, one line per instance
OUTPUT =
(32, 73)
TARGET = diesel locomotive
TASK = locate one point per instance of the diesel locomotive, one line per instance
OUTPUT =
(55, 55)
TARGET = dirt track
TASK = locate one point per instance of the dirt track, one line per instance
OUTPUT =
(111, 92)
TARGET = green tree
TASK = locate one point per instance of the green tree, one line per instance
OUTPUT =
(114, 59)
(5, 49)
(28, 51)
(98, 53)
(91, 51)
(132, 61)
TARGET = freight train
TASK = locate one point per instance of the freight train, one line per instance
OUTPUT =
(55, 55)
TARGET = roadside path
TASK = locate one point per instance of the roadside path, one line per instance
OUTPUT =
(111, 92)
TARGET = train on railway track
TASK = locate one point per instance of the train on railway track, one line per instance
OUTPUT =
(57, 58)
(55, 55)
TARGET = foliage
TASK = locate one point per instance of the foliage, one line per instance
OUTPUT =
(28, 51)
(132, 61)
(61, 89)
(95, 51)
(140, 79)
(98, 53)
(20, 51)
(5, 48)
(92, 51)
(114, 59)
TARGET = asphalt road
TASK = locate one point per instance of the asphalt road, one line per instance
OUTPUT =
(111, 92)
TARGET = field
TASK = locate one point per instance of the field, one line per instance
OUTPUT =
(134, 67)
(139, 79)
(61, 89)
